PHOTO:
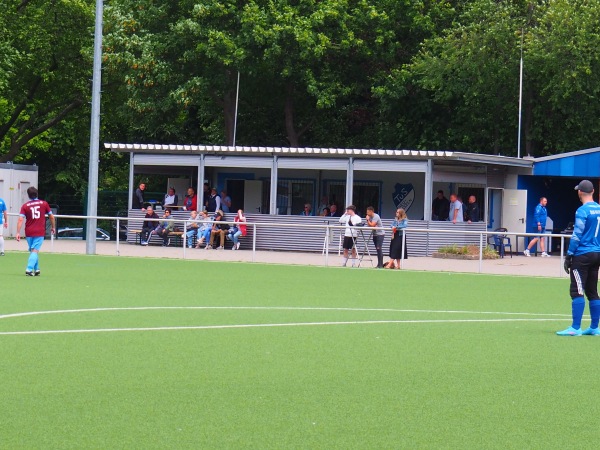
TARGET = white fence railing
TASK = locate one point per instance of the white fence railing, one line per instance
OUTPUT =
(329, 246)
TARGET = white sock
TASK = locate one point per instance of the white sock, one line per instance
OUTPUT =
(344, 261)
(1, 243)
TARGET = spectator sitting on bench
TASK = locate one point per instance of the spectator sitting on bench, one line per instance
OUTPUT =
(165, 227)
(205, 228)
(148, 226)
(171, 198)
(239, 229)
(218, 229)
(192, 227)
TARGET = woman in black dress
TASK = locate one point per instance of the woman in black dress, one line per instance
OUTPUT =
(399, 223)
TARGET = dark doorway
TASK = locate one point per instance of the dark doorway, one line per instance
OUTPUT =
(235, 190)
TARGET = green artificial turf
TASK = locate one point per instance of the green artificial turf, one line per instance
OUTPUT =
(440, 381)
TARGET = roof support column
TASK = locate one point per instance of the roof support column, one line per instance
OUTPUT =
(200, 191)
(349, 182)
(131, 184)
(273, 193)
(428, 190)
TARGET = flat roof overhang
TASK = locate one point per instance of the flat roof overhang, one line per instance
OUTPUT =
(435, 155)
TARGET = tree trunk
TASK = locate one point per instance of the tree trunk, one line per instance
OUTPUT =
(228, 103)
(290, 129)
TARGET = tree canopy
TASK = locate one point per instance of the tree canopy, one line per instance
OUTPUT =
(436, 74)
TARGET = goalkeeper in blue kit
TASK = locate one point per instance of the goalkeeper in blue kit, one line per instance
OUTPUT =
(582, 262)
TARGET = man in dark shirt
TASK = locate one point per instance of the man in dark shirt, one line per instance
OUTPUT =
(149, 225)
(472, 212)
(138, 197)
(440, 207)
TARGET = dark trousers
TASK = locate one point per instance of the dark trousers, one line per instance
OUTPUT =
(378, 241)
(164, 234)
(146, 233)
(584, 275)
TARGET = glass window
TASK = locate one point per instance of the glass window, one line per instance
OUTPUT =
(292, 195)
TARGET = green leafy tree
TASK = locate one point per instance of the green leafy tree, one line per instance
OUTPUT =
(44, 73)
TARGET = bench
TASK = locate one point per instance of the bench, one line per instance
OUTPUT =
(155, 239)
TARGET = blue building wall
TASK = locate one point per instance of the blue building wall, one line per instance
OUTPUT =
(562, 198)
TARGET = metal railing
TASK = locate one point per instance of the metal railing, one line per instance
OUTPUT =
(327, 233)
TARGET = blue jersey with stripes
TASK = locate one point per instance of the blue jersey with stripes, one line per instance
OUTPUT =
(587, 229)
(2, 209)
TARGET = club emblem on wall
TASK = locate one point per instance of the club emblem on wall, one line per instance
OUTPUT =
(404, 195)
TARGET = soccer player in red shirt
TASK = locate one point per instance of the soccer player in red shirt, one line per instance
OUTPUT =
(34, 214)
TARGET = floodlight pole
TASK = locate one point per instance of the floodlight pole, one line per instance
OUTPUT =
(520, 97)
(92, 201)
(237, 100)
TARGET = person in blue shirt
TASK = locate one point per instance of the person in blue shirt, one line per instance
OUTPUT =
(3, 224)
(539, 226)
(582, 262)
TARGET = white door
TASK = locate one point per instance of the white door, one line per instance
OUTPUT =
(514, 212)
(23, 186)
(252, 196)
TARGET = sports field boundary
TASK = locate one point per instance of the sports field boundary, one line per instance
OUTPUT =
(518, 265)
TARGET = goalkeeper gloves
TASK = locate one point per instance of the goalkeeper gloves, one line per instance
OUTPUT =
(568, 263)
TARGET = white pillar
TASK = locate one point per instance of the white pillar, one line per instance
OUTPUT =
(273, 193)
(131, 184)
(349, 182)
(201, 169)
(428, 190)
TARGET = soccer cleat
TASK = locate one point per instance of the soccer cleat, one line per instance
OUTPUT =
(591, 332)
(545, 255)
(569, 332)
(37, 273)
(526, 252)
(1, 253)
(29, 273)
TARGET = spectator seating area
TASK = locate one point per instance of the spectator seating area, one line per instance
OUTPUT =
(287, 233)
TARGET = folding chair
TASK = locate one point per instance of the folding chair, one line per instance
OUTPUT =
(502, 242)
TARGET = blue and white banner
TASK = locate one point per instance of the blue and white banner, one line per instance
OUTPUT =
(404, 196)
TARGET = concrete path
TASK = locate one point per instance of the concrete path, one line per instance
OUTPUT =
(518, 265)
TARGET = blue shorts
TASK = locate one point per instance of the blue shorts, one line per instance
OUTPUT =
(35, 243)
(535, 229)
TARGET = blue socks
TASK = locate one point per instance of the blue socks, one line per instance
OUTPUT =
(577, 307)
(594, 312)
(32, 262)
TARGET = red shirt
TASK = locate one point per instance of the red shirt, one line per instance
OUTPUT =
(35, 212)
(239, 224)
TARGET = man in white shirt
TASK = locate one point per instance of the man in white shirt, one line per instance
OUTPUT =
(456, 209)
(350, 219)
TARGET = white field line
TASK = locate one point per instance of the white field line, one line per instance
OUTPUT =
(270, 325)
(269, 308)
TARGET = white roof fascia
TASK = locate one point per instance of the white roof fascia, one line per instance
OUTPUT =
(568, 154)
